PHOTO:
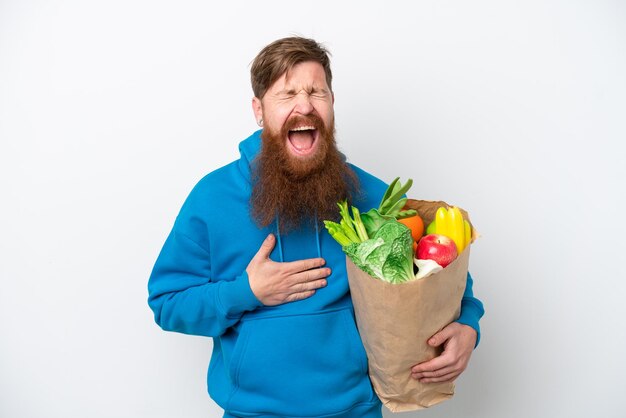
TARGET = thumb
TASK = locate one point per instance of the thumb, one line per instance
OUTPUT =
(440, 337)
(266, 247)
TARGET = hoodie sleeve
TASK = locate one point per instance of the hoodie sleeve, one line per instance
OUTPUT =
(471, 308)
(182, 294)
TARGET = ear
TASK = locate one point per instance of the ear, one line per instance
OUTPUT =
(257, 108)
(332, 95)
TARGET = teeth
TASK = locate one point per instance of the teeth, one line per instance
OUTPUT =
(304, 128)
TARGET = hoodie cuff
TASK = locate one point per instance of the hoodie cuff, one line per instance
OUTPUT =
(471, 312)
(236, 297)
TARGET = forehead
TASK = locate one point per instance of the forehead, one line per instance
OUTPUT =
(303, 74)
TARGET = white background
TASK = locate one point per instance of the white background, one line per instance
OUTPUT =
(110, 111)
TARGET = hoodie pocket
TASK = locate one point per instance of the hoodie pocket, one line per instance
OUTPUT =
(314, 364)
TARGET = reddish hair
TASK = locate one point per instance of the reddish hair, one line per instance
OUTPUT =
(280, 56)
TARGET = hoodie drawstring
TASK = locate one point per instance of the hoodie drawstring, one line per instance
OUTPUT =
(280, 245)
(317, 238)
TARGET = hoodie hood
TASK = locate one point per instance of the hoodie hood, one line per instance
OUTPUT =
(249, 149)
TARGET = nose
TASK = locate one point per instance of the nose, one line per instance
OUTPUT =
(303, 103)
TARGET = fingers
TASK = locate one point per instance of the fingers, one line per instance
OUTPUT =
(308, 286)
(274, 283)
(266, 248)
(305, 284)
(290, 267)
(445, 368)
(440, 337)
(310, 275)
(303, 290)
(435, 364)
(458, 342)
(303, 265)
(439, 369)
(443, 375)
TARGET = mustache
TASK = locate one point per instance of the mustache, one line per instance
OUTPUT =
(304, 120)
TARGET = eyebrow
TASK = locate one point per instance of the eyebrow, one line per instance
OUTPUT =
(311, 90)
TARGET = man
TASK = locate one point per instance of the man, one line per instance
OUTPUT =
(248, 263)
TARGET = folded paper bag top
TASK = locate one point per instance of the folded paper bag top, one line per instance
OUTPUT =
(395, 322)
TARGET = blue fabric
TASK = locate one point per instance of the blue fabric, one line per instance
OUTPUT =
(471, 308)
(300, 359)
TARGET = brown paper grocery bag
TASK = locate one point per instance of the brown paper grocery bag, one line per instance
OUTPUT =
(396, 320)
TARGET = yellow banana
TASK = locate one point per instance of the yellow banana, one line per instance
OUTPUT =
(468, 232)
(442, 223)
(457, 229)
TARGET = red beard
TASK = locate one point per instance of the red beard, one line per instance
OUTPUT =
(300, 190)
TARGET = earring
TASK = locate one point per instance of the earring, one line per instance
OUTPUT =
(261, 122)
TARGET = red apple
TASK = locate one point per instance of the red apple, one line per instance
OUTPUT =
(438, 248)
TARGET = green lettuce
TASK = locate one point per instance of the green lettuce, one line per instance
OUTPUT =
(375, 241)
(388, 255)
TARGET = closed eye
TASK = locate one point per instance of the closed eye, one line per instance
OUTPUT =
(286, 95)
(319, 94)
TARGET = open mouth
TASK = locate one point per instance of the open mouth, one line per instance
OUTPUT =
(302, 140)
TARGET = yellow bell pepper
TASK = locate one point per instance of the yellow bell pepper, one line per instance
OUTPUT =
(450, 222)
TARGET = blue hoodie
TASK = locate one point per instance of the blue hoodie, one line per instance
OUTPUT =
(299, 359)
